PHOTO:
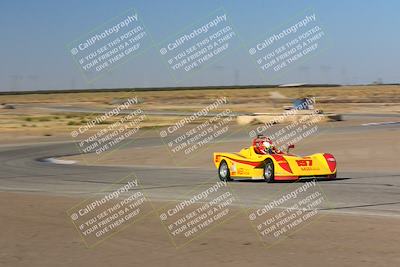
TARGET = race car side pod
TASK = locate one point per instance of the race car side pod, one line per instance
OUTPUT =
(330, 159)
(282, 162)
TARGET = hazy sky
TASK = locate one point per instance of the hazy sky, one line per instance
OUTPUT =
(362, 42)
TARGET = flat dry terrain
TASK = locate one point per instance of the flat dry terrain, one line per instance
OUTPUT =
(379, 148)
(35, 115)
(37, 232)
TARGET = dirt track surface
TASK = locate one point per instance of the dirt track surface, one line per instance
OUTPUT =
(41, 235)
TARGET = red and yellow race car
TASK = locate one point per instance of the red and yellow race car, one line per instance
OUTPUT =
(262, 160)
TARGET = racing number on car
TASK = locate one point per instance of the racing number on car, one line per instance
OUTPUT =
(304, 162)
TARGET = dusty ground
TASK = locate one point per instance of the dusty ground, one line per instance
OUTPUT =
(190, 99)
(32, 118)
(352, 151)
(37, 232)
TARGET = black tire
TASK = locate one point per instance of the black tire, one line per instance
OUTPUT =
(268, 171)
(223, 171)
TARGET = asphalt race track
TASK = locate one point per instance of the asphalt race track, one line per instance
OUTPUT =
(22, 169)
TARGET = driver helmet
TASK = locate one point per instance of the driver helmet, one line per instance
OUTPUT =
(263, 145)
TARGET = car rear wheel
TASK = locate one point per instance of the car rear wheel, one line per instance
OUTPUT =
(223, 171)
(269, 171)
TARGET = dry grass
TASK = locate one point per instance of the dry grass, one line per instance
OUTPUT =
(201, 97)
(368, 99)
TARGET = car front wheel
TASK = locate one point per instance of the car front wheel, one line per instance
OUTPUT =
(223, 171)
(269, 171)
